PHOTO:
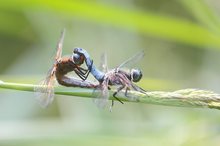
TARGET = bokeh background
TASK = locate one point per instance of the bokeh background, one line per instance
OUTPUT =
(181, 40)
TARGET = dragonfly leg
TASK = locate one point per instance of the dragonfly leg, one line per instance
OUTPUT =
(82, 70)
(86, 76)
(112, 103)
(111, 107)
(126, 91)
(118, 99)
(80, 75)
(89, 70)
(118, 90)
(85, 71)
(138, 89)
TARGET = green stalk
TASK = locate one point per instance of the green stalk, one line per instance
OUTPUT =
(180, 98)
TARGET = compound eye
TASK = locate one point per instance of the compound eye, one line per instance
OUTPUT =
(78, 59)
(77, 50)
(136, 75)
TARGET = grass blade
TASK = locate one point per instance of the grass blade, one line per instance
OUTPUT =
(175, 29)
(180, 98)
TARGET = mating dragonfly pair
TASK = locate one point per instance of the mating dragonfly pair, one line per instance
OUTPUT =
(106, 78)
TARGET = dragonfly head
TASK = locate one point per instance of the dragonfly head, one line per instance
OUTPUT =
(136, 75)
(78, 59)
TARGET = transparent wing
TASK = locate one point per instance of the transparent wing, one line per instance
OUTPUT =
(132, 60)
(102, 94)
(45, 89)
(103, 65)
(59, 47)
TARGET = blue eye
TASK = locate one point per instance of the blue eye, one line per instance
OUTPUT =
(78, 59)
(136, 75)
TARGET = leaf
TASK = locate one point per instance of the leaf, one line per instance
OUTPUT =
(168, 28)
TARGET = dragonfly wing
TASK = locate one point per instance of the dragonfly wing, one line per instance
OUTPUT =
(44, 91)
(103, 65)
(102, 95)
(60, 46)
(132, 60)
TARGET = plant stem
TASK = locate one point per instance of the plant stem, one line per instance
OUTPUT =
(180, 98)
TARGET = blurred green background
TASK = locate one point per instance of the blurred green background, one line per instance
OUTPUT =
(181, 39)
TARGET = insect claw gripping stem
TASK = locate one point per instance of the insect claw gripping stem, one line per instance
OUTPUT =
(111, 107)
(126, 92)
(112, 103)
(114, 95)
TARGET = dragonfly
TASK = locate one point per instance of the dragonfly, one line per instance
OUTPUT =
(58, 71)
(114, 77)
